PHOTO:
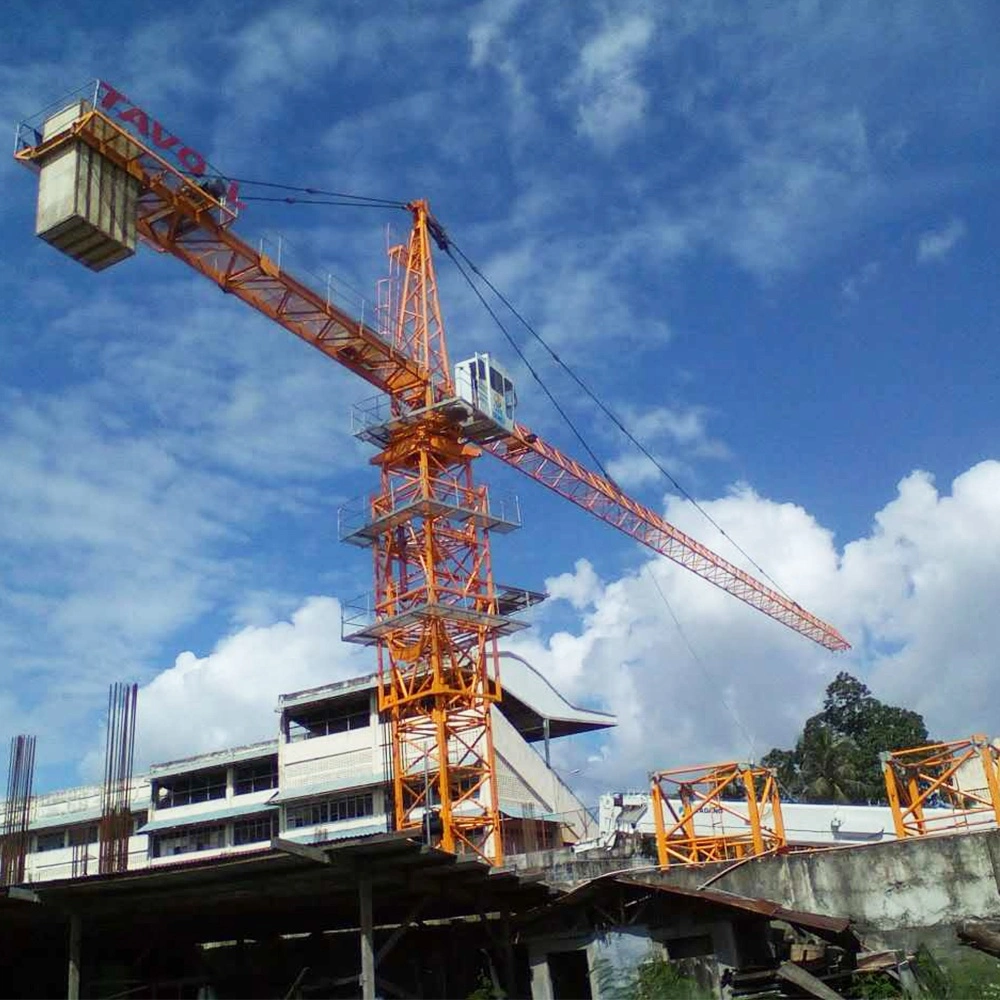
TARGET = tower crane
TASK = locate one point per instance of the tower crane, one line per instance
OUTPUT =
(109, 174)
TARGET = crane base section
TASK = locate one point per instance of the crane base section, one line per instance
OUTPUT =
(86, 204)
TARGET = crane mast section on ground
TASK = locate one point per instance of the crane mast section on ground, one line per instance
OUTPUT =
(594, 493)
(177, 216)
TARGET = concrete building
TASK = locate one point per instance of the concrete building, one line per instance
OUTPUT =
(324, 778)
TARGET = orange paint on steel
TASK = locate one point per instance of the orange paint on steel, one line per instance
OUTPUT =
(435, 598)
(962, 777)
(739, 793)
(178, 217)
(418, 330)
(438, 675)
(602, 498)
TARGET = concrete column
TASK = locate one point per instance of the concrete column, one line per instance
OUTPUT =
(541, 978)
(73, 977)
(367, 938)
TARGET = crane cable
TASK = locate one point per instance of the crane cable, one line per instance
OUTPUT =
(612, 416)
(320, 196)
(448, 245)
(513, 343)
(443, 241)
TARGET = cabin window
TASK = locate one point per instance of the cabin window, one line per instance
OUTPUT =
(186, 841)
(339, 717)
(52, 840)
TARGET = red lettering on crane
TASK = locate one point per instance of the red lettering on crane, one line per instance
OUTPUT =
(192, 160)
(158, 137)
(111, 96)
(138, 118)
(187, 157)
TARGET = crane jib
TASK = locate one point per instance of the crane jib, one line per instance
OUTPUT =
(113, 102)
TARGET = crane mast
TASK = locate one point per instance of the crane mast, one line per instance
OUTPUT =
(436, 609)
(436, 613)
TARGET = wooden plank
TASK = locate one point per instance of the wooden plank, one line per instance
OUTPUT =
(807, 981)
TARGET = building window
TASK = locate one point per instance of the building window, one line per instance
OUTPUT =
(330, 811)
(255, 829)
(189, 839)
(53, 840)
(202, 786)
(334, 717)
(256, 776)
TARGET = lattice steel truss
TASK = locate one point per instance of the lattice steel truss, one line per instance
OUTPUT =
(962, 777)
(722, 811)
(437, 613)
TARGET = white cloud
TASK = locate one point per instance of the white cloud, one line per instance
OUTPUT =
(228, 697)
(936, 244)
(852, 286)
(674, 436)
(581, 587)
(914, 597)
(283, 43)
(611, 103)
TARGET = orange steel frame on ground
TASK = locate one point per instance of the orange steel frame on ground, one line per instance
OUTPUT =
(932, 777)
(438, 673)
(702, 791)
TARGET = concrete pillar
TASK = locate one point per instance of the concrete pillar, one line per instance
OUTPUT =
(367, 938)
(73, 976)
(541, 978)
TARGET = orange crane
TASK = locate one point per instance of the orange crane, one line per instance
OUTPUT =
(436, 613)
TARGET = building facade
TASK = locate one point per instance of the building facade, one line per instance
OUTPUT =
(325, 777)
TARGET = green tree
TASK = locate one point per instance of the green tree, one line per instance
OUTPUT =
(785, 764)
(828, 764)
(836, 758)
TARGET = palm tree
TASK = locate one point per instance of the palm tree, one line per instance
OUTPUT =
(828, 762)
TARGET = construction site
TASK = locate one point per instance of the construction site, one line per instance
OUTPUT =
(404, 833)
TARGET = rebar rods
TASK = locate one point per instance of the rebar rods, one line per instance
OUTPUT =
(116, 811)
(14, 836)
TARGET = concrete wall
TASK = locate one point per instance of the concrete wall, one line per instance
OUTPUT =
(895, 893)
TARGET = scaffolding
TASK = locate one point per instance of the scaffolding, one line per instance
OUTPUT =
(717, 812)
(959, 780)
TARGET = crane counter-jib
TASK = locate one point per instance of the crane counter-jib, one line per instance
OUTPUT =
(100, 188)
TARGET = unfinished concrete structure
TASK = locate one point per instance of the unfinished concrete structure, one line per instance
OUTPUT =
(324, 778)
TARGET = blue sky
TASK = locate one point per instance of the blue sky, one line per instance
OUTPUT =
(765, 234)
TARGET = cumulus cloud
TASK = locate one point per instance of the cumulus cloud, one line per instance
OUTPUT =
(228, 697)
(936, 244)
(912, 596)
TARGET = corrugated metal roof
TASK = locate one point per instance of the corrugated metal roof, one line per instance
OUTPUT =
(328, 787)
(752, 904)
(327, 834)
